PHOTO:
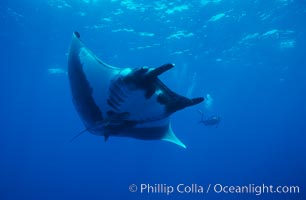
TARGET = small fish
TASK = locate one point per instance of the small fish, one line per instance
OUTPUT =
(56, 71)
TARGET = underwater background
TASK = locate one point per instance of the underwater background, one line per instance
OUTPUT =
(247, 55)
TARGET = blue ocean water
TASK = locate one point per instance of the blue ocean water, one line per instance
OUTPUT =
(249, 56)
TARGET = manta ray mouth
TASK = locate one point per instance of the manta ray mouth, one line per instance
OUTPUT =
(123, 102)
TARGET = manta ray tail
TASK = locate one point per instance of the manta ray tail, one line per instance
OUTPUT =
(78, 135)
(170, 137)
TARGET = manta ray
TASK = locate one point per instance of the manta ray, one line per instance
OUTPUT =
(122, 102)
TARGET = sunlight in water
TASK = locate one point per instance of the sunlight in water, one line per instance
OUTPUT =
(216, 17)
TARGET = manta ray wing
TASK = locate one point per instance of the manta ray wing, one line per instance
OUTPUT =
(125, 102)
